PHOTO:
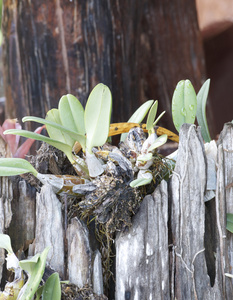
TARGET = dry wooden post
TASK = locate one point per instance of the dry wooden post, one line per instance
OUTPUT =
(189, 276)
(224, 193)
(142, 258)
(139, 48)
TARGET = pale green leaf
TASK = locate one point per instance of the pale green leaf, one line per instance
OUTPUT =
(97, 116)
(56, 133)
(201, 110)
(5, 243)
(158, 142)
(36, 273)
(140, 181)
(230, 222)
(72, 113)
(29, 264)
(144, 157)
(184, 104)
(138, 115)
(151, 117)
(159, 117)
(60, 132)
(67, 149)
(52, 288)
(15, 166)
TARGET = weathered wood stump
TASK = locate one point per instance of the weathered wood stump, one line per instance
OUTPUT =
(177, 246)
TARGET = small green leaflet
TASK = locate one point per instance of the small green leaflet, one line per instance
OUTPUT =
(52, 288)
(201, 110)
(35, 266)
(140, 181)
(138, 115)
(158, 142)
(53, 132)
(184, 104)
(151, 117)
(97, 116)
(15, 166)
(72, 113)
(5, 243)
(230, 222)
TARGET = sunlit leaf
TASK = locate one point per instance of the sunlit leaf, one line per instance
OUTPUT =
(5, 243)
(158, 142)
(145, 157)
(63, 134)
(138, 115)
(56, 133)
(72, 113)
(184, 104)
(230, 222)
(36, 270)
(140, 181)
(97, 116)
(25, 147)
(67, 149)
(159, 117)
(151, 117)
(201, 110)
(52, 288)
(15, 166)
(29, 264)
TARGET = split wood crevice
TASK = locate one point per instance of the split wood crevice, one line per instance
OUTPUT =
(177, 246)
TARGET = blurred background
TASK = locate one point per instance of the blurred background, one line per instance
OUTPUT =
(140, 49)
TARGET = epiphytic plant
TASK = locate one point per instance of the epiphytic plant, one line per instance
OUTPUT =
(21, 288)
(70, 123)
(186, 106)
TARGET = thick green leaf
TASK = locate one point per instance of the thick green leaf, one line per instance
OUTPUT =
(52, 288)
(184, 104)
(5, 243)
(59, 133)
(138, 115)
(201, 110)
(140, 181)
(36, 273)
(28, 265)
(15, 166)
(97, 116)
(151, 117)
(158, 142)
(72, 113)
(67, 149)
(230, 222)
(56, 133)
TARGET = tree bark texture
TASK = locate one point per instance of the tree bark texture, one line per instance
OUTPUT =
(140, 49)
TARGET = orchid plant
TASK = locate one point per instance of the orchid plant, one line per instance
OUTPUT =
(186, 106)
(71, 128)
(22, 287)
(70, 124)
